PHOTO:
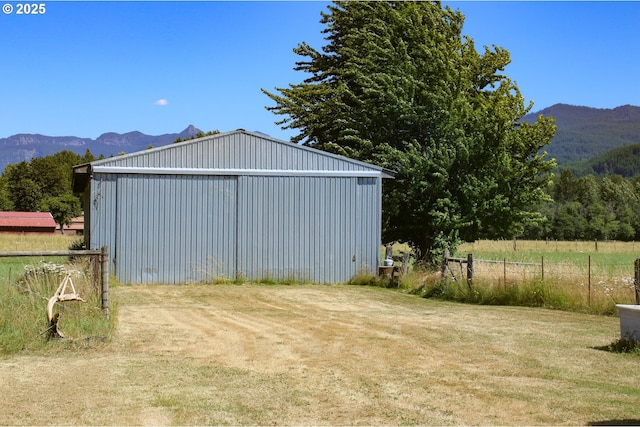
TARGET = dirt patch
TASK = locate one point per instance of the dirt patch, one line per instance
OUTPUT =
(324, 355)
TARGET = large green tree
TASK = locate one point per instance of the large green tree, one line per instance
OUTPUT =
(399, 86)
(62, 208)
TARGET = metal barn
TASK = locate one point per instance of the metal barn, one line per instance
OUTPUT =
(236, 205)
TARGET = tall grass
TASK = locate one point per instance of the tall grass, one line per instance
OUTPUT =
(588, 277)
(26, 284)
(35, 242)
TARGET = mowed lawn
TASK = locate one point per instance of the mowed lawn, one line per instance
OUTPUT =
(325, 355)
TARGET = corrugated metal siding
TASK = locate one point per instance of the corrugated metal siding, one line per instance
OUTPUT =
(301, 228)
(236, 150)
(181, 228)
(369, 224)
(102, 214)
(175, 229)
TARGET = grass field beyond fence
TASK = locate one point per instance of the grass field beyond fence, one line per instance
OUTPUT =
(583, 276)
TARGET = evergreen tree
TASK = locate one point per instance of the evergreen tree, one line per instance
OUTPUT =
(397, 85)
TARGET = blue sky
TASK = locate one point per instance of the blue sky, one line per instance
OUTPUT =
(85, 68)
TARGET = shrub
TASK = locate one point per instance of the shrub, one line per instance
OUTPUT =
(368, 279)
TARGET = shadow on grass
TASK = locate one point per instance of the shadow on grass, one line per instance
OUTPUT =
(624, 422)
(622, 346)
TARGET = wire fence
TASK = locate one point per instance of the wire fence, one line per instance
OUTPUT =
(97, 266)
(609, 277)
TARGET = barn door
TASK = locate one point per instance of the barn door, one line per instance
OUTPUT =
(175, 228)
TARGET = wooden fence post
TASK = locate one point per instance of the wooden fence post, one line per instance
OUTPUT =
(104, 282)
(445, 264)
(470, 270)
(636, 280)
(405, 263)
(94, 263)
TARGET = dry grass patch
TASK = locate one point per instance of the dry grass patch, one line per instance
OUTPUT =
(326, 355)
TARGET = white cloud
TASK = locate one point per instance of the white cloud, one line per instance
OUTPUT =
(161, 102)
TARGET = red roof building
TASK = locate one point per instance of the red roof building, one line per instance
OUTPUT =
(27, 222)
(76, 228)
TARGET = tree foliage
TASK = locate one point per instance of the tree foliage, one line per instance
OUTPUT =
(197, 135)
(590, 208)
(43, 184)
(397, 85)
(62, 208)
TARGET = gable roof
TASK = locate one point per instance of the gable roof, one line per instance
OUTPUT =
(26, 220)
(233, 153)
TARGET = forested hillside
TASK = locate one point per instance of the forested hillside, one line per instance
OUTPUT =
(584, 132)
(589, 208)
(624, 161)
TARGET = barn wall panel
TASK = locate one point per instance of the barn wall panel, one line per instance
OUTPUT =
(101, 221)
(236, 151)
(175, 229)
(297, 228)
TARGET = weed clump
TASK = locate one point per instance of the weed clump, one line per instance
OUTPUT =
(624, 345)
(528, 293)
(368, 279)
(23, 303)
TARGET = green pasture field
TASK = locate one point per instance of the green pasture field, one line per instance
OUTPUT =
(603, 262)
(11, 267)
(553, 250)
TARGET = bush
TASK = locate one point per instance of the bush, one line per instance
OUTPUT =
(368, 279)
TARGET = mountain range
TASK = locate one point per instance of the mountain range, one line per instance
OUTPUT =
(582, 134)
(25, 146)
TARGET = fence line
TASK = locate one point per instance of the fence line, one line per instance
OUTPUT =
(102, 255)
(471, 262)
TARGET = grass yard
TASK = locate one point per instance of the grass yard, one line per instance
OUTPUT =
(326, 355)
(11, 267)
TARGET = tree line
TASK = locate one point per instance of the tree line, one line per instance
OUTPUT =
(43, 184)
(589, 208)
